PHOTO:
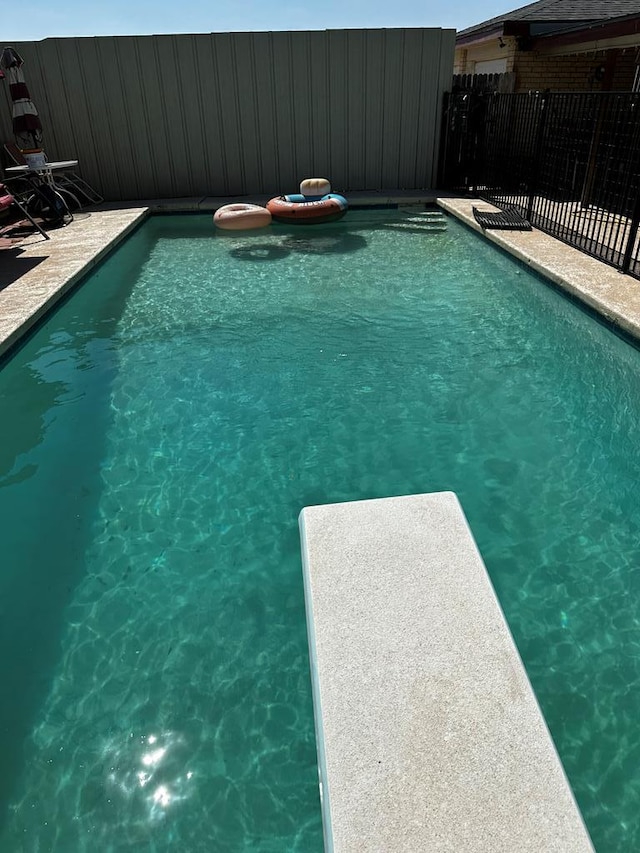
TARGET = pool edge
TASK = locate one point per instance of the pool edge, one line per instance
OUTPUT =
(59, 265)
(602, 289)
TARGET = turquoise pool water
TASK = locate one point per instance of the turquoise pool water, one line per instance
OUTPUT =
(160, 434)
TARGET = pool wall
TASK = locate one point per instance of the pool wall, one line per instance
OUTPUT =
(429, 733)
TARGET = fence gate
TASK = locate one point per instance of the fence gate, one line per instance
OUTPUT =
(569, 162)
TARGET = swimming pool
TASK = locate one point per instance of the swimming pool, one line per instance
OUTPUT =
(160, 434)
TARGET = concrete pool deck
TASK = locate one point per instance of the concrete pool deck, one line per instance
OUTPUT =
(36, 273)
(428, 731)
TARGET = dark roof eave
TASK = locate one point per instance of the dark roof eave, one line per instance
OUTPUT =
(629, 25)
(504, 28)
(481, 35)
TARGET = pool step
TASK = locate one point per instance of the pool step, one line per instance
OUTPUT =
(407, 218)
(413, 226)
(416, 211)
(425, 220)
(417, 222)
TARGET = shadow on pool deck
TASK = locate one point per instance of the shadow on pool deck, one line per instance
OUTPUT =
(14, 264)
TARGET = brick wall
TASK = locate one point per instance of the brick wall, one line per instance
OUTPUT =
(625, 69)
(570, 73)
(460, 61)
(538, 71)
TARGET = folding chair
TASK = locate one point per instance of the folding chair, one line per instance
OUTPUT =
(7, 199)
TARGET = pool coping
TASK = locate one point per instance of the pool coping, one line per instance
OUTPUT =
(53, 267)
(358, 199)
(604, 290)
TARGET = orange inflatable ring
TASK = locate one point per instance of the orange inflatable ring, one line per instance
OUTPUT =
(241, 217)
(300, 210)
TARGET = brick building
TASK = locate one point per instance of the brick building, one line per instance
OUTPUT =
(561, 45)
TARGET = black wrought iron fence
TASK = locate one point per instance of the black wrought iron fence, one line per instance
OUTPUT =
(568, 161)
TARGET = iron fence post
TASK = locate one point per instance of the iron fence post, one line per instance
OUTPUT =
(537, 155)
(448, 145)
(635, 216)
(633, 233)
(592, 163)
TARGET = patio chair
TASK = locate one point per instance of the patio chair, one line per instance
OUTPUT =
(40, 197)
(7, 199)
(74, 189)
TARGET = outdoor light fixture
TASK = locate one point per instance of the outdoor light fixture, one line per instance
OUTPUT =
(500, 42)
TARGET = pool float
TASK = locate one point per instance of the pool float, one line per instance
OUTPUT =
(314, 204)
(241, 217)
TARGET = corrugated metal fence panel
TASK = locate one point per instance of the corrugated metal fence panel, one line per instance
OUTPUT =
(431, 130)
(240, 113)
(374, 108)
(213, 143)
(393, 64)
(410, 101)
(356, 58)
(285, 110)
(265, 97)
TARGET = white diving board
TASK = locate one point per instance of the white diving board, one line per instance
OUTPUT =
(429, 735)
